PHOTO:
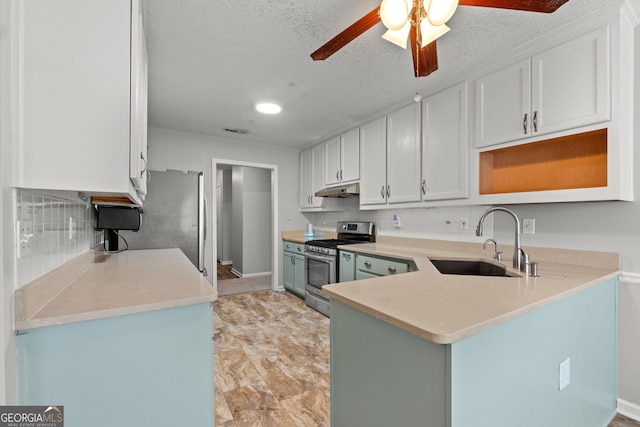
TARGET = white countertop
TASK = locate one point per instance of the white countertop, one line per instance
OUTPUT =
(447, 308)
(97, 285)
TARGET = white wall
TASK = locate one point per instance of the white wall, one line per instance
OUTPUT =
(187, 151)
(256, 218)
(8, 386)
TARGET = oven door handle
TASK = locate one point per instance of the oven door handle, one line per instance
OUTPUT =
(317, 257)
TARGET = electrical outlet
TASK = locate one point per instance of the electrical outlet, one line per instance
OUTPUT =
(24, 234)
(397, 222)
(464, 223)
(564, 374)
(528, 226)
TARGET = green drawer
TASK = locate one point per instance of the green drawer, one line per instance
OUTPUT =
(293, 247)
(380, 266)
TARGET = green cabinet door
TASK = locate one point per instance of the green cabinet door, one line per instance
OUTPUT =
(347, 267)
(289, 272)
(299, 274)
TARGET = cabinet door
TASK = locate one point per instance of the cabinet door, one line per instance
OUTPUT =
(288, 267)
(299, 274)
(75, 95)
(305, 179)
(570, 83)
(373, 162)
(332, 161)
(347, 266)
(317, 174)
(350, 156)
(503, 101)
(403, 155)
(139, 79)
(444, 145)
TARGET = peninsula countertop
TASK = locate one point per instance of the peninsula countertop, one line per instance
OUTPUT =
(447, 308)
(98, 285)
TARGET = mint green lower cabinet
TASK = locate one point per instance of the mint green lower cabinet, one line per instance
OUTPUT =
(298, 283)
(293, 267)
(347, 266)
(147, 369)
(368, 266)
(505, 376)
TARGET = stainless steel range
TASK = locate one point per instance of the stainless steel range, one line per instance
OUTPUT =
(321, 260)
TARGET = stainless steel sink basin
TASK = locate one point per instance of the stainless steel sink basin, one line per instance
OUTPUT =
(470, 267)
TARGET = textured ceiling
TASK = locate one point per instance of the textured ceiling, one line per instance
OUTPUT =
(210, 61)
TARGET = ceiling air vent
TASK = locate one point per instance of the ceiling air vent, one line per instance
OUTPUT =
(237, 131)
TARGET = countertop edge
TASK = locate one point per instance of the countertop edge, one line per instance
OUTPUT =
(24, 325)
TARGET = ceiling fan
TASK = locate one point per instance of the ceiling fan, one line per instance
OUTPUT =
(421, 22)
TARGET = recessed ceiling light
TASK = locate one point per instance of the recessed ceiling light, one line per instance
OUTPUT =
(268, 108)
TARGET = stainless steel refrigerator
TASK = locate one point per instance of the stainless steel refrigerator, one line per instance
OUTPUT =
(173, 216)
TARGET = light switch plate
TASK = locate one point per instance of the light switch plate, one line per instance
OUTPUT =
(564, 374)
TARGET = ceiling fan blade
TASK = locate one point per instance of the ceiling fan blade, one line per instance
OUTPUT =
(345, 37)
(544, 6)
(425, 59)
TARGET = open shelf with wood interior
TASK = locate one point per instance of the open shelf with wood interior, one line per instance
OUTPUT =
(568, 162)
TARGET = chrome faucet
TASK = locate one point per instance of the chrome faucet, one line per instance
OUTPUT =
(520, 258)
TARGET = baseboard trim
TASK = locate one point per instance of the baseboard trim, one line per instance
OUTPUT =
(629, 409)
(246, 275)
(629, 278)
(225, 262)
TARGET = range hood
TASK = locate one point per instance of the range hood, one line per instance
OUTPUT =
(341, 191)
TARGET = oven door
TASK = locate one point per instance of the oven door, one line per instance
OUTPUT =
(319, 270)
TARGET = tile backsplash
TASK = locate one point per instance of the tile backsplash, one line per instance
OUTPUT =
(63, 228)
(441, 223)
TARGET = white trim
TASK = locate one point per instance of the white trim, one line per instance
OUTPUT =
(247, 275)
(629, 409)
(275, 238)
(630, 278)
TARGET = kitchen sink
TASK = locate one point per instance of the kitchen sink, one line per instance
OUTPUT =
(470, 267)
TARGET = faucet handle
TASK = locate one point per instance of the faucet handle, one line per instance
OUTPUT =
(497, 255)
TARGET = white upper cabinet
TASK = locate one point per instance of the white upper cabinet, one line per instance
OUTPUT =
(564, 87)
(342, 158)
(139, 94)
(445, 145)
(503, 101)
(403, 155)
(390, 159)
(311, 177)
(570, 84)
(373, 162)
(75, 64)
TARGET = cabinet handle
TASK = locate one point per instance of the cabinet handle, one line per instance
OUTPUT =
(388, 191)
(145, 165)
(299, 249)
(337, 175)
(424, 186)
(524, 123)
(367, 264)
(340, 174)
(346, 256)
(382, 191)
(392, 269)
(535, 121)
(309, 199)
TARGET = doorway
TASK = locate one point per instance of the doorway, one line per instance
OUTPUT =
(244, 214)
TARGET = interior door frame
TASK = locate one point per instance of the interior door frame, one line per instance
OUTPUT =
(274, 215)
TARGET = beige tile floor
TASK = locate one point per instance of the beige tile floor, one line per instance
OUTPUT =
(271, 356)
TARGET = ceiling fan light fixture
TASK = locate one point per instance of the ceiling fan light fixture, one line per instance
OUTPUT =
(430, 33)
(440, 11)
(394, 14)
(399, 37)
(268, 108)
